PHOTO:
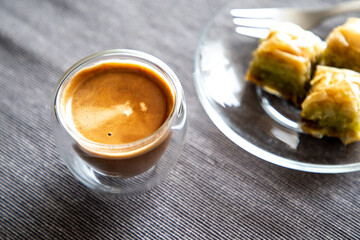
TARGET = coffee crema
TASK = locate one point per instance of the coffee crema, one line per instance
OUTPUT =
(116, 103)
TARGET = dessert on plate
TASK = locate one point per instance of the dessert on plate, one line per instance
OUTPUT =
(332, 107)
(283, 62)
(343, 46)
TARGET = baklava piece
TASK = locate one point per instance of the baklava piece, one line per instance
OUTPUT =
(332, 107)
(343, 46)
(283, 62)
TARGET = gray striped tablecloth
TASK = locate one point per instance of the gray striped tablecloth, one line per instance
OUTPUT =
(216, 190)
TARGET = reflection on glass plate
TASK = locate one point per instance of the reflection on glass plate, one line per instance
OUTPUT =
(262, 124)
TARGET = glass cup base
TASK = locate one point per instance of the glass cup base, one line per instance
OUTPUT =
(125, 186)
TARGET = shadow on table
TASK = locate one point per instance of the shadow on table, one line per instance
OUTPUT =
(73, 212)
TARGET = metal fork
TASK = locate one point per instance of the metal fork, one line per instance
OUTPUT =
(256, 22)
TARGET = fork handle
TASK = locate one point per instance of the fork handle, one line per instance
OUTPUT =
(344, 8)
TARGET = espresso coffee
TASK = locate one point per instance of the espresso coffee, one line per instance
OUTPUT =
(118, 110)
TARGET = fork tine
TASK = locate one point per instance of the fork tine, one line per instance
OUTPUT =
(253, 32)
(254, 12)
(254, 23)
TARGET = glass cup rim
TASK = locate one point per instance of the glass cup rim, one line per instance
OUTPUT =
(138, 57)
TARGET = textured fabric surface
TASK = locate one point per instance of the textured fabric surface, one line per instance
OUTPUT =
(216, 190)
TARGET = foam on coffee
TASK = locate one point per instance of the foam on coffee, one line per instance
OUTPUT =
(118, 103)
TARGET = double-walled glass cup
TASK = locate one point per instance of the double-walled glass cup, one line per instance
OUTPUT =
(122, 169)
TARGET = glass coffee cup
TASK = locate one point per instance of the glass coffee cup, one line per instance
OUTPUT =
(137, 164)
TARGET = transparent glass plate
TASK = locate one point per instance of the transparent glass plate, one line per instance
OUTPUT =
(262, 124)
